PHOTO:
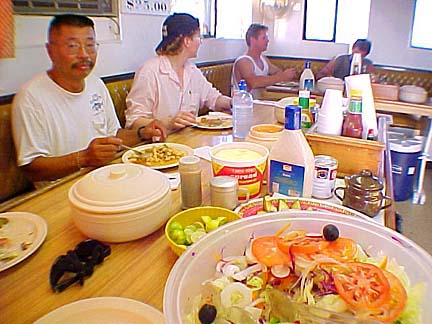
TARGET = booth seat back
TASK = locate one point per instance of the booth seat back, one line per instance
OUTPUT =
(12, 180)
(397, 76)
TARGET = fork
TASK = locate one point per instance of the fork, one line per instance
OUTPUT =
(141, 154)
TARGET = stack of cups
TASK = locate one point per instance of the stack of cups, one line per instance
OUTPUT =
(330, 115)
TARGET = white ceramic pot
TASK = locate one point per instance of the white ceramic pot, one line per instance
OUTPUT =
(121, 202)
(330, 83)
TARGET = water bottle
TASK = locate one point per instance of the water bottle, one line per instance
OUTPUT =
(242, 109)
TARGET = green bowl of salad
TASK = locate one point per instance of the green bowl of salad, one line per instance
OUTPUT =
(301, 267)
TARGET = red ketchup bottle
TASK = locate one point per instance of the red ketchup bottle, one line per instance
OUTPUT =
(353, 125)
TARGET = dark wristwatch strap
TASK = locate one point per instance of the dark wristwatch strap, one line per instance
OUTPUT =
(142, 139)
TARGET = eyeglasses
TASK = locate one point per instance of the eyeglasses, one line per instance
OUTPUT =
(74, 48)
(77, 264)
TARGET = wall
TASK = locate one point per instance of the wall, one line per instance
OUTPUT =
(141, 33)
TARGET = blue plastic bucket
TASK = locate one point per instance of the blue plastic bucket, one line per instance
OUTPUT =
(404, 158)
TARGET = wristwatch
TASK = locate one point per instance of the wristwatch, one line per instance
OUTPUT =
(141, 138)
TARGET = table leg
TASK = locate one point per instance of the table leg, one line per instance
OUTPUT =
(419, 196)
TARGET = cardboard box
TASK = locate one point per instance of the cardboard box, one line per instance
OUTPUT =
(353, 154)
(385, 91)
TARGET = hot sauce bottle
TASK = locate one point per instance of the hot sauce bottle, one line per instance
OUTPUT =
(353, 124)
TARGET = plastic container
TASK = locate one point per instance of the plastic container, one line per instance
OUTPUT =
(120, 202)
(307, 78)
(404, 158)
(291, 161)
(224, 192)
(231, 159)
(242, 103)
(193, 268)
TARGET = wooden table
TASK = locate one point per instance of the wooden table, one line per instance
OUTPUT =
(137, 269)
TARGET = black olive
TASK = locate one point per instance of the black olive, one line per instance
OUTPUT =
(207, 314)
(330, 232)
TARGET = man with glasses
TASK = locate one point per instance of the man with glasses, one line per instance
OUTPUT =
(64, 119)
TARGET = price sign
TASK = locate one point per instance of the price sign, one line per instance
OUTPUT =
(147, 7)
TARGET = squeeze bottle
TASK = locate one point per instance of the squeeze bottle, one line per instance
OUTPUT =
(291, 159)
(307, 78)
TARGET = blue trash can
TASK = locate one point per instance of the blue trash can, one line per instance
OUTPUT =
(404, 158)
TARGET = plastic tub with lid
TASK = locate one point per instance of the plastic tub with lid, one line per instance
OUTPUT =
(120, 202)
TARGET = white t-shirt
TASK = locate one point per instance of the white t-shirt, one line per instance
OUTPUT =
(257, 70)
(47, 120)
(157, 92)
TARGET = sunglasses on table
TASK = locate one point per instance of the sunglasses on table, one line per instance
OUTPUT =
(77, 264)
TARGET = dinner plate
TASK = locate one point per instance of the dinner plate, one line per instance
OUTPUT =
(219, 122)
(255, 206)
(107, 310)
(23, 227)
(180, 147)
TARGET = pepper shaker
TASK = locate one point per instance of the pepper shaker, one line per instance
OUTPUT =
(190, 181)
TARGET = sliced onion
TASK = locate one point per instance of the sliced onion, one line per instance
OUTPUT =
(280, 271)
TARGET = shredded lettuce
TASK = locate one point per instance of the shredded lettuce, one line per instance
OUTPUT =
(412, 311)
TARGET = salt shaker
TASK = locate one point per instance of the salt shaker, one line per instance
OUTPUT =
(190, 181)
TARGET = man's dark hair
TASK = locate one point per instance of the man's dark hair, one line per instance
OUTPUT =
(363, 44)
(253, 31)
(69, 20)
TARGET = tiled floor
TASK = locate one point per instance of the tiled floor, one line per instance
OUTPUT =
(417, 219)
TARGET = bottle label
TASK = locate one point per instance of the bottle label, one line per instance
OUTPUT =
(308, 84)
(306, 119)
(286, 179)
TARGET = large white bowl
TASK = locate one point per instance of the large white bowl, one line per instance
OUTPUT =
(197, 264)
(121, 202)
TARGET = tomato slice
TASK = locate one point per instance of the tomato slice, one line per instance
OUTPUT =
(341, 249)
(306, 245)
(391, 310)
(362, 285)
(265, 249)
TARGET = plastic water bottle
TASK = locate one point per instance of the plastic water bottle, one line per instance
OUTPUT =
(242, 109)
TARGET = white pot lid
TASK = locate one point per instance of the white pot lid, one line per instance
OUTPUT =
(119, 187)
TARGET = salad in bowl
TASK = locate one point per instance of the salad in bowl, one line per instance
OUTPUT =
(298, 268)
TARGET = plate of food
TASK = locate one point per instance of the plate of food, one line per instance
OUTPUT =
(158, 156)
(214, 121)
(21, 234)
(107, 310)
(274, 204)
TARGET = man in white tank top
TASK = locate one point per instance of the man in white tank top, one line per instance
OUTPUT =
(254, 67)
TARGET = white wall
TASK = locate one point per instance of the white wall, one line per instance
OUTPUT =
(389, 31)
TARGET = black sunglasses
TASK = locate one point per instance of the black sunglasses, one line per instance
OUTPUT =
(77, 264)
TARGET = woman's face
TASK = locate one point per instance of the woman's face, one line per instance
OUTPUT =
(192, 44)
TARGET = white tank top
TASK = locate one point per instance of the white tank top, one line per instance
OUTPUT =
(257, 70)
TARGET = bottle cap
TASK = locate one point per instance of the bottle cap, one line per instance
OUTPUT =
(242, 85)
(292, 117)
(189, 163)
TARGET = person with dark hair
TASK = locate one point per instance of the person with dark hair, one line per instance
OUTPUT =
(254, 67)
(169, 87)
(339, 66)
(64, 119)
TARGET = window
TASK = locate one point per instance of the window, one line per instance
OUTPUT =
(106, 8)
(340, 21)
(221, 18)
(421, 35)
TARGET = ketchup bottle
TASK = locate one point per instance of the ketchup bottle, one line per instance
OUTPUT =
(353, 124)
